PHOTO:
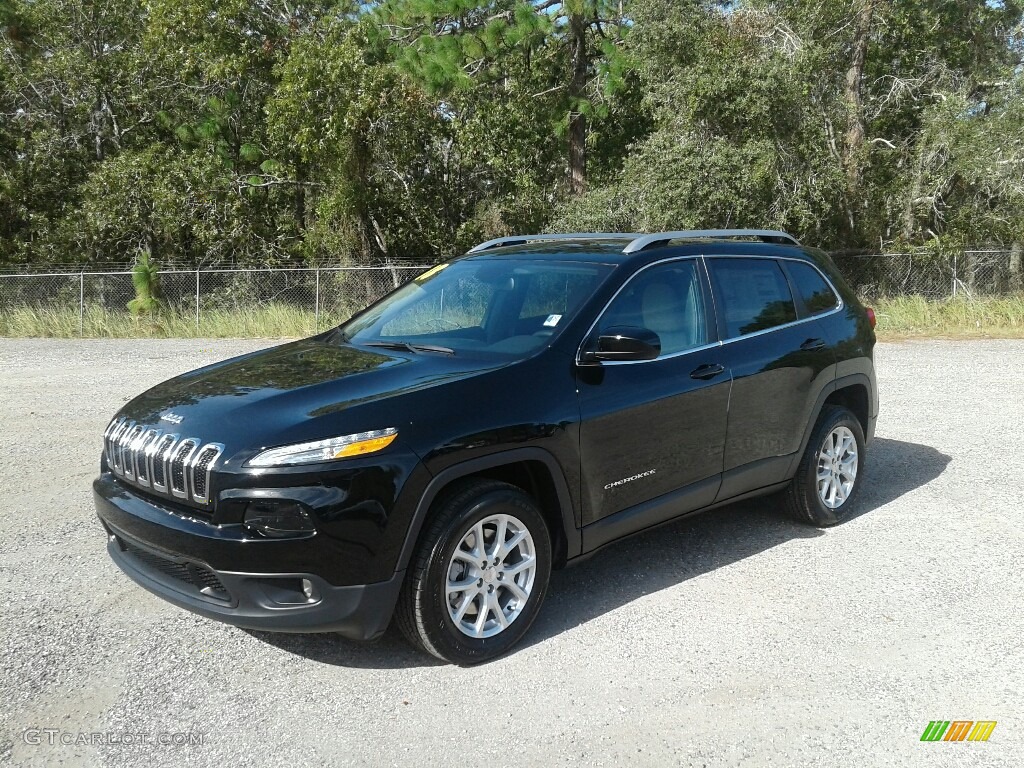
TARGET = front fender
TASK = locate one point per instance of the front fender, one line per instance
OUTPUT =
(449, 475)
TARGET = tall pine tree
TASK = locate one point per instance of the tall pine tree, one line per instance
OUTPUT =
(453, 44)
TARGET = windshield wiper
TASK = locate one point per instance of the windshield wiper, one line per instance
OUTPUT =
(405, 345)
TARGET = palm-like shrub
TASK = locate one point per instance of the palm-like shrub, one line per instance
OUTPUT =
(146, 279)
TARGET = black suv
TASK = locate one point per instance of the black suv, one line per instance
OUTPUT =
(501, 415)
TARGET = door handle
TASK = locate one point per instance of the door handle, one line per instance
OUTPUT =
(810, 344)
(707, 371)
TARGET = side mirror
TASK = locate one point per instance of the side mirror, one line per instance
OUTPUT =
(627, 343)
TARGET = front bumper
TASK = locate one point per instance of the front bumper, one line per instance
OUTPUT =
(187, 562)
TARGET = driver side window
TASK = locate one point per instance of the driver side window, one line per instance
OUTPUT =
(666, 299)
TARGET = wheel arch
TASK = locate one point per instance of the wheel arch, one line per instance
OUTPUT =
(534, 470)
(852, 392)
(854, 397)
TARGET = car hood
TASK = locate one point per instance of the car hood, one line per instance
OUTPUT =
(303, 390)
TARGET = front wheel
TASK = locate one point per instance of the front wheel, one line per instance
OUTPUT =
(479, 574)
(831, 470)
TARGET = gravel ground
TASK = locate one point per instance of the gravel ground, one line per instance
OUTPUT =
(736, 638)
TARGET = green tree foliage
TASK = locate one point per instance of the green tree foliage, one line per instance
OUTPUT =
(851, 124)
(456, 43)
(311, 131)
(378, 144)
(735, 140)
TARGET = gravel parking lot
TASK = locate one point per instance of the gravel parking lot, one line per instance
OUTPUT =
(735, 638)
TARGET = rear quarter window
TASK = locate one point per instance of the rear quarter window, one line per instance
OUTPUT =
(815, 292)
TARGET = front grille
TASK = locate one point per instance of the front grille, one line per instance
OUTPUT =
(148, 458)
(194, 575)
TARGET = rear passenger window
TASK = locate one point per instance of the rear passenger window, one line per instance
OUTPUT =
(753, 294)
(816, 293)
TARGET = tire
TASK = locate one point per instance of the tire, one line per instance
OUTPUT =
(827, 500)
(489, 616)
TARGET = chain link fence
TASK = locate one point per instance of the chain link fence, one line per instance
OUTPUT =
(293, 299)
(304, 300)
(969, 274)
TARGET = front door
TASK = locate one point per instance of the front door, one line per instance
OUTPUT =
(653, 427)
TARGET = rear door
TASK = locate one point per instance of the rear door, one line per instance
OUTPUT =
(649, 428)
(780, 360)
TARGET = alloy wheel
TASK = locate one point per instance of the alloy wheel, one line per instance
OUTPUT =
(837, 467)
(490, 576)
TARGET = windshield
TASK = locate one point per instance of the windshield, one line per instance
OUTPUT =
(478, 307)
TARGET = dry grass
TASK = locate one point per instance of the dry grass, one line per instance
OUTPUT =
(899, 318)
(271, 321)
(915, 317)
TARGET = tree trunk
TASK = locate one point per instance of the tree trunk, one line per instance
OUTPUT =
(853, 96)
(1016, 277)
(97, 126)
(300, 197)
(577, 153)
(373, 249)
(909, 212)
(577, 121)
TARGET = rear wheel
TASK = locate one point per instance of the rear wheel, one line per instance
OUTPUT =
(479, 575)
(829, 475)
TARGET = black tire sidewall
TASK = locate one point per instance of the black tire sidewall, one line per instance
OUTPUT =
(438, 625)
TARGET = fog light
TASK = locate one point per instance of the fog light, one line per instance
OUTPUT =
(307, 589)
(278, 520)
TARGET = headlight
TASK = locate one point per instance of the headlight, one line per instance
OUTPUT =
(325, 450)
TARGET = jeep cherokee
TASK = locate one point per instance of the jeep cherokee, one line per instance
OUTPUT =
(503, 414)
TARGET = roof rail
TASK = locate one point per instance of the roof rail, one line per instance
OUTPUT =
(520, 239)
(663, 238)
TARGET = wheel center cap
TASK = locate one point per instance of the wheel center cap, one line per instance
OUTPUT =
(489, 575)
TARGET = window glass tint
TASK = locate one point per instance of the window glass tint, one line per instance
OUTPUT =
(482, 307)
(753, 294)
(666, 299)
(817, 295)
(555, 293)
(461, 303)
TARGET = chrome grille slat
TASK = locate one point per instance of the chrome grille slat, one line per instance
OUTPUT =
(114, 459)
(179, 467)
(108, 438)
(128, 450)
(160, 459)
(140, 461)
(202, 467)
(150, 458)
